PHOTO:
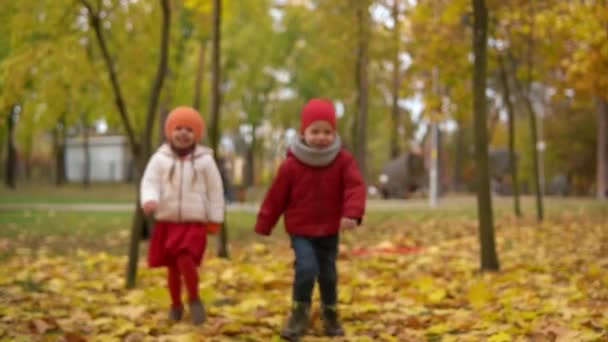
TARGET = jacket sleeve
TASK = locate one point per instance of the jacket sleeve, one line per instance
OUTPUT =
(354, 191)
(150, 181)
(275, 202)
(215, 192)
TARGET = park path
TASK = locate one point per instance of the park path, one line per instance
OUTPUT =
(375, 205)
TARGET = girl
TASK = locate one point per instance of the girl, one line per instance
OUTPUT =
(183, 188)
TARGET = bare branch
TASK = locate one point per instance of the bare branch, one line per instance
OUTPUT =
(95, 21)
(89, 7)
(159, 78)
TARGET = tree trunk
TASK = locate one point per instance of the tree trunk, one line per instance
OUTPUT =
(533, 124)
(459, 157)
(394, 148)
(27, 156)
(86, 168)
(3, 143)
(11, 152)
(200, 69)
(506, 99)
(362, 88)
(535, 160)
(96, 23)
(434, 143)
(434, 164)
(250, 158)
(59, 149)
(489, 259)
(139, 227)
(534, 137)
(215, 75)
(215, 107)
(249, 165)
(164, 112)
(602, 148)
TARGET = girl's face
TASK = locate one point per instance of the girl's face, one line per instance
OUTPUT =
(319, 134)
(182, 137)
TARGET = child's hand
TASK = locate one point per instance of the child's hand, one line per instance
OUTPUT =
(149, 207)
(347, 223)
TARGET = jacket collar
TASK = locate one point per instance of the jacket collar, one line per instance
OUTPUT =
(198, 152)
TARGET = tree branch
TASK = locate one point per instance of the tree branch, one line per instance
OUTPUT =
(158, 80)
(88, 6)
(95, 22)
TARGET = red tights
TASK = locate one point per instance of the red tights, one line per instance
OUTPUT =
(185, 267)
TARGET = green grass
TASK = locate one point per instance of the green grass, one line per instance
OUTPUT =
(67, 231)
(69, 193)
(44, 192)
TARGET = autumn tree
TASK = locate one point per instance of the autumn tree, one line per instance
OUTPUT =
(489, 258)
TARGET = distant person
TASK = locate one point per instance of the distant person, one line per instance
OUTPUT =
(183, 188)
(320, 190)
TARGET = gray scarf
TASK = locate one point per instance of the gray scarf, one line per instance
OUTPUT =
(315, 156)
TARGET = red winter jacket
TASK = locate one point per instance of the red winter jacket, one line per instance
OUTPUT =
(313, 199)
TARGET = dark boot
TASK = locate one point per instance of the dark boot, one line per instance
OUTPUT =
(175, 313)
(197, 312)
(331, 323)
(297, 322)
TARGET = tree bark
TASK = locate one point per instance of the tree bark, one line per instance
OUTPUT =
(3, 143)
(86, 168)
(534, 137)
(27, 154)
(459, 157)
(489, 259)
(533, 124)
(11, 152)
(602, 148)
(215, 75)
(139, 227)
(394, 145)
(215, 107)
(59, 149)
(362, 87)
(95, 21)
(506, 98)
(164, 113)
(250, 159)
(200, 70)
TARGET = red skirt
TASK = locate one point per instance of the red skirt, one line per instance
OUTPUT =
(169, 239)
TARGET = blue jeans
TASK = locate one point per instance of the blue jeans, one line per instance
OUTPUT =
(315, 260)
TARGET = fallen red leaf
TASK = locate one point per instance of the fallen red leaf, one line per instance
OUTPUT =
(385, 250)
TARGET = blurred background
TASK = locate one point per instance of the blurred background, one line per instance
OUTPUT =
(78, 77)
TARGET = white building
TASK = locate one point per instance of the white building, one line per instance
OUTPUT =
(110, 159)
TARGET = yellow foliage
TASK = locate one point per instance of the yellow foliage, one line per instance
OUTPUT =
(553, 285)
(479, 294)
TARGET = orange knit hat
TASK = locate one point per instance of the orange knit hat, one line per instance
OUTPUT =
(185, 116)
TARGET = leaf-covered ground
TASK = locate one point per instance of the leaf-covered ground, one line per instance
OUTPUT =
(400, 280)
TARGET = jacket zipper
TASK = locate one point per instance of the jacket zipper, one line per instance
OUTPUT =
(181, 182)
(318, 197)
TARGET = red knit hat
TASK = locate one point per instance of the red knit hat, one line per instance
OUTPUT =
(317, 109)
(184, 116)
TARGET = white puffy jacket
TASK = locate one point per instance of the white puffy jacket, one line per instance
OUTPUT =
(186, 189)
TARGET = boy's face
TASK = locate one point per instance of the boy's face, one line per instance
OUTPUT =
(319, 134)
(182, 137)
